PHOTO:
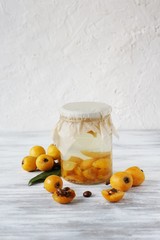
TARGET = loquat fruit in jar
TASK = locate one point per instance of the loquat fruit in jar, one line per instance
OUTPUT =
(52, 183)
(75, 160)
(44, 162)
(36, 151)
(95, 154)
(85, 164)
(90, 173)
(75, 179)
(137, 175)
(122, 181)
(69, 165)
(63, 196)
(102, 163)
(29, 164)
(104, 174)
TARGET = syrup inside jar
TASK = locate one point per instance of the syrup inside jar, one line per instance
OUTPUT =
(84, 137)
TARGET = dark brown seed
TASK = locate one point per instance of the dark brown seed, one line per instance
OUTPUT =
(112, 191)
(87, 194)
(57, 185)
(108, 182)
(66, 188)
(59, 192)
(141, 170)
(56, 165)
(22, 162)
(126, 180)
(67, 194)
(45, 160)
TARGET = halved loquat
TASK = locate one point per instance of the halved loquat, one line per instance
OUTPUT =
(112, 194)
(63, 196)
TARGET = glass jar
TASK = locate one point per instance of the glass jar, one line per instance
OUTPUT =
(84, 136)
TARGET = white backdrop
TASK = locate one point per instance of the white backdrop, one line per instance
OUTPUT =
(56, 51)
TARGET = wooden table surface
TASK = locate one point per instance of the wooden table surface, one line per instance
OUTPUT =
(30, 213)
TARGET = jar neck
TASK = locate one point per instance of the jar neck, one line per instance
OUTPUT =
(100, 119)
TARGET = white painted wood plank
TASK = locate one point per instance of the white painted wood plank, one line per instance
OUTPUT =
(29, 212)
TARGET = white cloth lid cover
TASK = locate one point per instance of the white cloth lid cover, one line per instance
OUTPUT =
(85, 110)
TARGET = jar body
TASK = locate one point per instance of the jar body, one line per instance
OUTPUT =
(86, 150)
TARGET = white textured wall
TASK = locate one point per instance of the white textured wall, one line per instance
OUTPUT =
(53, 52)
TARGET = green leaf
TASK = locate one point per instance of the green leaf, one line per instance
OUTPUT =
(42, 176)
